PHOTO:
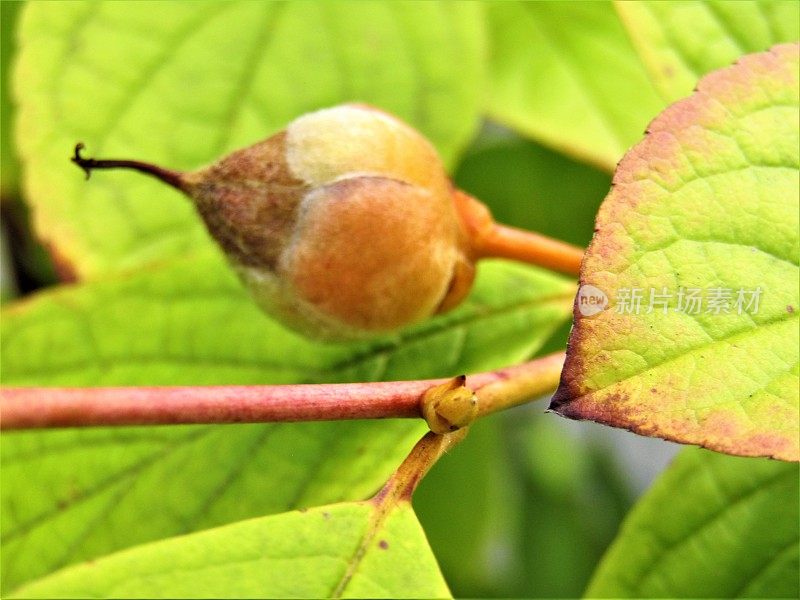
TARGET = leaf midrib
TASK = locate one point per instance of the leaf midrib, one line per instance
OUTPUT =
(309, 373)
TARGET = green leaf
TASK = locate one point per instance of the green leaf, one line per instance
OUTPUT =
(565, 73)
(191, 323)
(707, 202)
(342, 550)
(680, 42)
(9, 166)
(712, 526)
(95, 491)
(183, 84)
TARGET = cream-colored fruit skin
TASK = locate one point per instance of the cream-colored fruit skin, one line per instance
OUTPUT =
(276, 298)
(352, 140)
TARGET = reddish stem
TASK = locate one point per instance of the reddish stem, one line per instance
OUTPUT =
(488, 239)
(503, 241)
(37, 407)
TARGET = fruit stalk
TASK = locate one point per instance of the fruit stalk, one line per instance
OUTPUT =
(172, 178)
(489, 239)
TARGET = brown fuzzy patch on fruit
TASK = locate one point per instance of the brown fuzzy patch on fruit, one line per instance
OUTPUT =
(249, 202)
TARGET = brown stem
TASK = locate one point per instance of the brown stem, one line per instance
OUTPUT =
(488, 239)
(175, 179)
(423, 456)
(32, 407)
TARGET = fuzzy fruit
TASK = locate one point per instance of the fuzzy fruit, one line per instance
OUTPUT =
(342, 225)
